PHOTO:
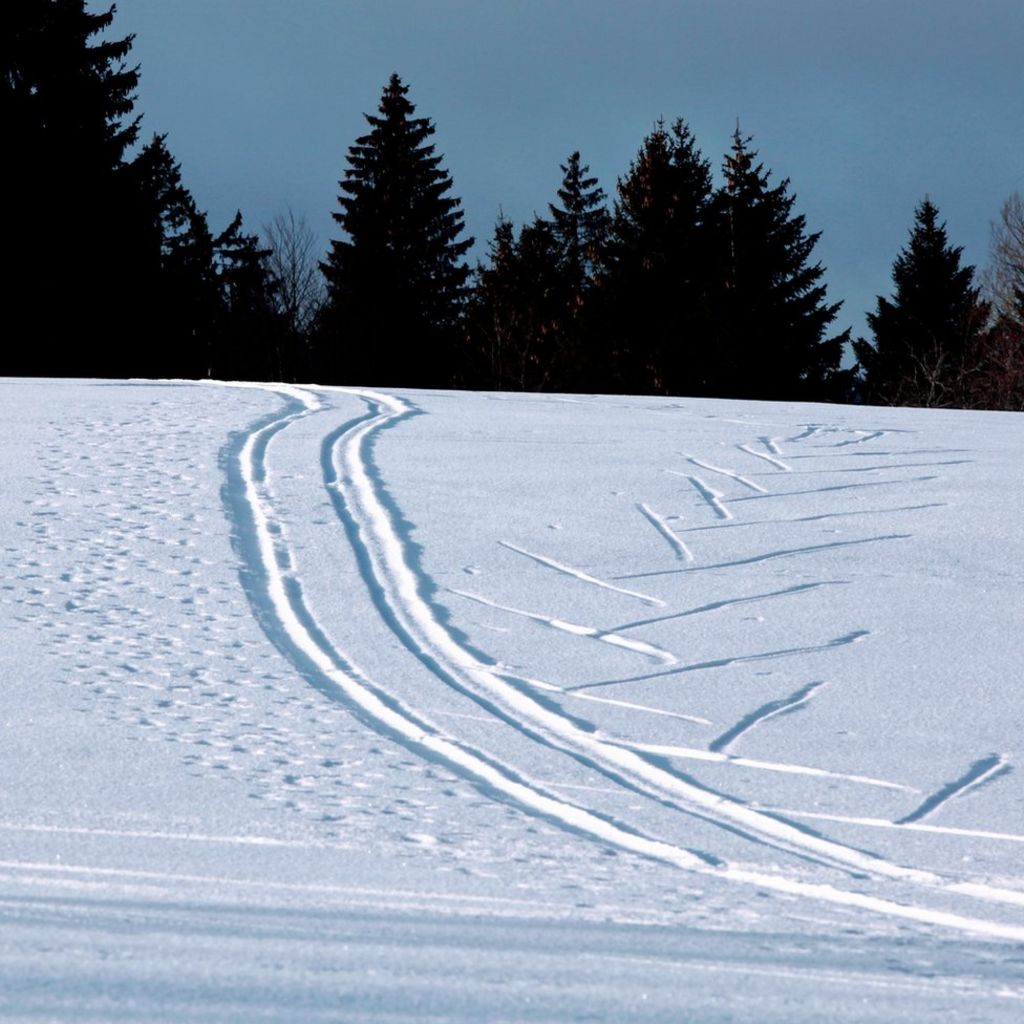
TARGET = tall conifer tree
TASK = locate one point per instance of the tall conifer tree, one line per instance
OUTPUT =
(396, 281)
(176, 279)
(66, 101)
(580, 224)
(657, 269)
(253, 340)
(527, 320)
(519, 313)
(925, 334)
(771, 316)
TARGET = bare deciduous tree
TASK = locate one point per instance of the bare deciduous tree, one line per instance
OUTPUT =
(1004, 278)
(294, 262)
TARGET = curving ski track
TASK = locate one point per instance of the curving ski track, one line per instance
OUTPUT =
(276, 596)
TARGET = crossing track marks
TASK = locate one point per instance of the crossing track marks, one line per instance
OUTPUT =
(398, 594)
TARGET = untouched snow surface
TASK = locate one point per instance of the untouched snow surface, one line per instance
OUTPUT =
(348, 704)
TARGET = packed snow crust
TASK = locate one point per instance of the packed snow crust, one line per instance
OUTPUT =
(351, 704)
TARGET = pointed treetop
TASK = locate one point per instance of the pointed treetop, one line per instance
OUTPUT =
(398, 270)
(924, 332)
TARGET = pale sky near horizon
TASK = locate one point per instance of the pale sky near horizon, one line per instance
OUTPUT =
(866, 105)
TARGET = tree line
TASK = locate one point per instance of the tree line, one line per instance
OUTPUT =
(673, 286)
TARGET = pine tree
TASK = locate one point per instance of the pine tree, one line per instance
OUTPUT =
(657, 272)
(770, 310)
(396, 283)
(924, 335)
(66, 104)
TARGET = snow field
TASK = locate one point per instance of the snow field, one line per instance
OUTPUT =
(627, 663)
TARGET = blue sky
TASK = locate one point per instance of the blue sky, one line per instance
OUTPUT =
(866, 105)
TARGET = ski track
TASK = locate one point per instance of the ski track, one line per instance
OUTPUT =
(818, 518)
(750, 484)
(682, 552)
(784, 705)
(836, 487)
(776, 462)
(276, 596)
(579, 574)
(279, 606)
(541, 684)
(709, 494)
(984, 770)
(810, 430)
(399, 595)
(916, 826)
(740, 659)
(730, 602)
(717, 757)
(871, 435)
(768, 556)
(608, 637)
(831, 471)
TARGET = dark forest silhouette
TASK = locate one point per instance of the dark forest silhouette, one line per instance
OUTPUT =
(676, 287)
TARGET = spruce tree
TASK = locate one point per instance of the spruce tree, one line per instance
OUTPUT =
(66, 102)
(209, 304)
(253, 340)
(527, 321)
(770, 312)
(657, 272)
(580, 224)
(396, 283)
(517, 314)
(924, 335)
(177, 276)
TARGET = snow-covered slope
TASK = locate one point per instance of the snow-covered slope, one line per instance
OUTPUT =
(340, 704)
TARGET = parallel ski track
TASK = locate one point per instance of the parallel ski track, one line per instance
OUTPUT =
(396, 591)
(276, 595)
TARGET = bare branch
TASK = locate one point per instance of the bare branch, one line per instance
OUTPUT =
(1004, 278)
(294, 262)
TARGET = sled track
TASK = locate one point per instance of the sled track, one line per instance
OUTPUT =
(275, 594)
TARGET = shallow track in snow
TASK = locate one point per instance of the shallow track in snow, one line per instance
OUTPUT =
(276, 596)
(398, 593)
